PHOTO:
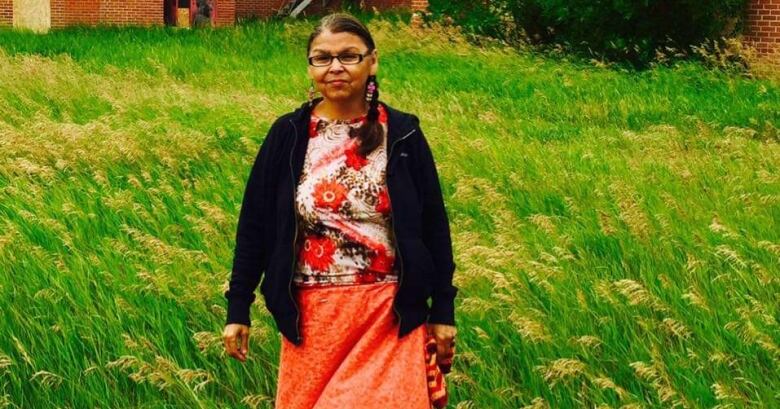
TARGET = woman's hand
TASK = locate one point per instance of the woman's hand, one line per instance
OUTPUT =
(236, 337)
(445, 344)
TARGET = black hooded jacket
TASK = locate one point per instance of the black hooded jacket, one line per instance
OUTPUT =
(268, 227)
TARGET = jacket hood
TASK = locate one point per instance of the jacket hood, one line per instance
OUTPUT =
(399, 123)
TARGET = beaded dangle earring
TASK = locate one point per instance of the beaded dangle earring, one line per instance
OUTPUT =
(311, 93)
(370, 88)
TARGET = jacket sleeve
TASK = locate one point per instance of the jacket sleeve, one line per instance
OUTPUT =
(249, 257)
(436, 237)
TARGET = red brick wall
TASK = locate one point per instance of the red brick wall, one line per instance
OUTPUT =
(147, 12)
(225, 13)
(67, 12)
(139, 12)
(763, 25)
(258, 8)
(136, 12)
(6, 13)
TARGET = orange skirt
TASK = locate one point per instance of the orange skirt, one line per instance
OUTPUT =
(351, 356)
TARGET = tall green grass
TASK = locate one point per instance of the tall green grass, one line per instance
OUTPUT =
(616, 233)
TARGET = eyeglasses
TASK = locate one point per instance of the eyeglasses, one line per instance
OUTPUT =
(323, 60)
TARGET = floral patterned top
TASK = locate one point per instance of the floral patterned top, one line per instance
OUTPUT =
(345, 234)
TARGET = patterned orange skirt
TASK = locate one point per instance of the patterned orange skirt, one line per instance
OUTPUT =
(351, 356)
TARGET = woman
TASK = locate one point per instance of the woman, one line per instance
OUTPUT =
(344, 213)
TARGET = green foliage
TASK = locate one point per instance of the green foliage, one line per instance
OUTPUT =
(475, 17)
(626, 30)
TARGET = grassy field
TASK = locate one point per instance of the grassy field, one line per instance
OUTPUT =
(617, 234)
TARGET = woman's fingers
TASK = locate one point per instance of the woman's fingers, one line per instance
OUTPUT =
(445, 344)
(444, 350)
(441, 350)
(230, 345)
(236, 335)
(244, 343)
(445, 359)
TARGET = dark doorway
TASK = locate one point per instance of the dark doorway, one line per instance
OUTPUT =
(200, 12)
(170, 11)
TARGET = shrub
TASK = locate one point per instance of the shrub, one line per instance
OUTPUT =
(477, 17)
(627, 30)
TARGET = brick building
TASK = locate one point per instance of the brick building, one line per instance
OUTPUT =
(762, 28)
(40, 15)
(763, 25)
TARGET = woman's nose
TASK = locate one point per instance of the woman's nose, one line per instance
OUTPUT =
(336, 65)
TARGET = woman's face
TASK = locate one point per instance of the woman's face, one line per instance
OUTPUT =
(337, 81)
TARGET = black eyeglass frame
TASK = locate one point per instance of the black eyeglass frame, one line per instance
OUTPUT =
(331, 57)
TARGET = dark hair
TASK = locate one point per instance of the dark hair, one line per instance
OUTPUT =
(371, 133)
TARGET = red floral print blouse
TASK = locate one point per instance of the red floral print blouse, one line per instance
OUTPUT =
(345, 234)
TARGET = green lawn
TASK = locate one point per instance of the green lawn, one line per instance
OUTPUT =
(617, 234)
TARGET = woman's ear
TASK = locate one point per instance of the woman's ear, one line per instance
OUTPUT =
(374, 62)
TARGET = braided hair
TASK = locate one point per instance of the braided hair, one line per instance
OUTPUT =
(371, 133)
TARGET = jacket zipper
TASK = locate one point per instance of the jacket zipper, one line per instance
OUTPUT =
(295, 236)
(395, 235)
